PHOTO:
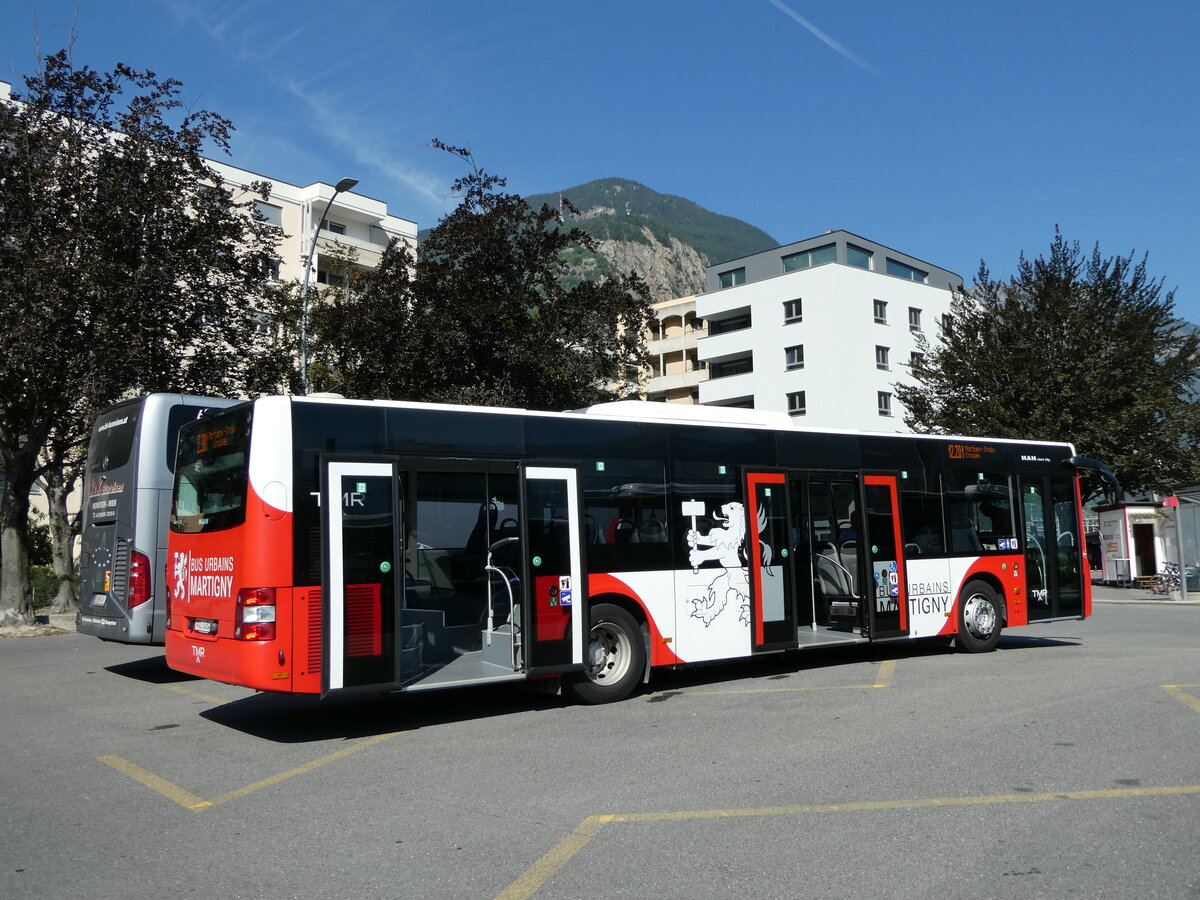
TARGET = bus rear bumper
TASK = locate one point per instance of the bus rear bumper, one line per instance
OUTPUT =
(252, 664)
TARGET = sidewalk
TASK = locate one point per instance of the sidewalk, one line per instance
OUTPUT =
(1106, 593)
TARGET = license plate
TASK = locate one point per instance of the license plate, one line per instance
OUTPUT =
(99, 599)
(204, 626)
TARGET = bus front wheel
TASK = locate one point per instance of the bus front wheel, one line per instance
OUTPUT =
(614, 658)
(978, 618)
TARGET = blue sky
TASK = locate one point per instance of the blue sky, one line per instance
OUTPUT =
(951, 131)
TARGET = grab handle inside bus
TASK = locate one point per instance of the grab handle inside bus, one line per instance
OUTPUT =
(1085, 462)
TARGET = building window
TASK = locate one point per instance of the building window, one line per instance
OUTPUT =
(260, 323)
(733, 323)
(881, 312)
(885, 403)
(947, 322)
(916, 360)
(270, 213)
(795, 357)
(797, 406)
(806, 259)
(729, 367)
(858, 257)
(269, 269)
(732, 278)
(914, 319)
(905, 271)
(793, 311)
(333, 227)
(881, 358)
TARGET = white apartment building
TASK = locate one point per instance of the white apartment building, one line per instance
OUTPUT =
(822, 329)
(360, 224)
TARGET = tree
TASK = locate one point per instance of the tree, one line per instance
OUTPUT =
(1073, 347)
(481, 315)
(125, 266)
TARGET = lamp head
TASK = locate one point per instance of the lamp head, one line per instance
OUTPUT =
(345, 184)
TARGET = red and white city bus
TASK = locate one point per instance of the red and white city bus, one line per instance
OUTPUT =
(322, 545)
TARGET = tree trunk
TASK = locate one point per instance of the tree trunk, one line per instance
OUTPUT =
(16, 595)
(58, 485)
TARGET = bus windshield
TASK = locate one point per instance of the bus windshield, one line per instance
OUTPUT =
(211, 474)
(112, 440)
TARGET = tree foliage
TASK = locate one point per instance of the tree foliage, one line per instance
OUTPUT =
(482, 314)
(1073, 347)
(126, 265)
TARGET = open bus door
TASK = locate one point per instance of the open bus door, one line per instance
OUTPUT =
(555, 609)
(363, 560)
(769, 543)
(887, 588)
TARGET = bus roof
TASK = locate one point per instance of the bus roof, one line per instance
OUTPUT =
(683, 414)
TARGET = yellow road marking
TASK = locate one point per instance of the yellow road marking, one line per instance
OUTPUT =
(886, 669)
(188, 800)
(884, 679)
(1177, 691)
(188, 692)
(549, 865)
(301, 769)
(545, 868)
(171, 791)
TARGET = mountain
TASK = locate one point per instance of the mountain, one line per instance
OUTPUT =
(668, 240)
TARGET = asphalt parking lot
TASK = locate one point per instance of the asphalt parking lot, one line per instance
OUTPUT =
(1064, 763)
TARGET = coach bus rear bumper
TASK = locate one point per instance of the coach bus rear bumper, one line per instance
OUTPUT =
(259, 665)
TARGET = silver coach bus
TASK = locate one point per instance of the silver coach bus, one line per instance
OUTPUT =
(127, 501)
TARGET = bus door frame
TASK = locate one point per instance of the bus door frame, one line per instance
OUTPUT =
(886, 629)
(332, 470)
(782, 559)
(542, 596)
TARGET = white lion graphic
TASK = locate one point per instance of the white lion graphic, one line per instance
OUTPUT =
(723, 545)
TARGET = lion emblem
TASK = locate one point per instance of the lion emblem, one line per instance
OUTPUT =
(725, 546)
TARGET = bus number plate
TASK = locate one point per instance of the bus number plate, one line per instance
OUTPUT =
(204, 626)
(98, 599)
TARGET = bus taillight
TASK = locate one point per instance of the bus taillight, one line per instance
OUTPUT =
(255, 614)
(139, 579)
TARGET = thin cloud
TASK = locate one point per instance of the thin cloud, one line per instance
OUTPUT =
(822, 36)
(351, 135)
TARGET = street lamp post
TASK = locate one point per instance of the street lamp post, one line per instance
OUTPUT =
(344, 185)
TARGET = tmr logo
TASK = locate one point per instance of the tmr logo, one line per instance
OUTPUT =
(198, 653)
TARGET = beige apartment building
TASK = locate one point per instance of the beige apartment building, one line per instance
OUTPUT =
(676, 371)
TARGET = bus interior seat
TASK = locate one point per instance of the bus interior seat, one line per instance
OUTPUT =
(651, 531)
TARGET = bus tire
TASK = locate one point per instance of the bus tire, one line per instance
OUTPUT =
(613, 660)
(978, 618)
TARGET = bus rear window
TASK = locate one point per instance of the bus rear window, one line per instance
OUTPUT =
(211, 474)
(112, 440)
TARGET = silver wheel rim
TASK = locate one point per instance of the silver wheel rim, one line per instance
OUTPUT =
(979, 615)
(609, 653)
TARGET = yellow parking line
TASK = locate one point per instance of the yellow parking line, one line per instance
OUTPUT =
(1177, 691)
(544, 869)
(188, 692)
(549, 865)
(171, 791)
(301, 769)
(884, 679)
(886, 669)
(188, 800)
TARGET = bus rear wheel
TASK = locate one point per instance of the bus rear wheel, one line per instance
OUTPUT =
(614, 658)
(978, 618)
